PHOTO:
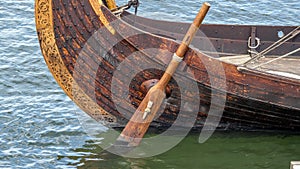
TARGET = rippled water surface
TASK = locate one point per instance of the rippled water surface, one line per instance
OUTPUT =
(39, 127)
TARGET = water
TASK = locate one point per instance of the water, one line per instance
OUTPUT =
(38, 122)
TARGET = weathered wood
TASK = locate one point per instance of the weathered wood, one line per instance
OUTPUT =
(256, 100)
(139, 123)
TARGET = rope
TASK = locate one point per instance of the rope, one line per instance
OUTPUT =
(134, 3)
(288, 54)
(278, 43)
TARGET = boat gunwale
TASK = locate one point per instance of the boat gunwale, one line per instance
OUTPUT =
(223, 63)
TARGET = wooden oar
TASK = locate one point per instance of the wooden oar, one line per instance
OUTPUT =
(139, 123)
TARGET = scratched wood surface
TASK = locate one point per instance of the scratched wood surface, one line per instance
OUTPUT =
(254, 100)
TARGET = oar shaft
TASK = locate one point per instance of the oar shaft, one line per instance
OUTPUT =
(192, 30)
(184, 45)
(145, 113)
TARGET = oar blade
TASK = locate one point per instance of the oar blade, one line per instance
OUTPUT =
(139, 124)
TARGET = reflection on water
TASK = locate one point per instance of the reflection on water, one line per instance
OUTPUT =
(38, 122)
(223, 150)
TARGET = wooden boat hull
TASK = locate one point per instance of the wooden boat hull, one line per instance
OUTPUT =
(83, 45)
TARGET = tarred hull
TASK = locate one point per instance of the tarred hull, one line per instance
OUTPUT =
(84, 53)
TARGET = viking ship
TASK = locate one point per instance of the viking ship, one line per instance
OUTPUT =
(106, 59)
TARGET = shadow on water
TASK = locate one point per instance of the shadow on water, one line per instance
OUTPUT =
(223, 150)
